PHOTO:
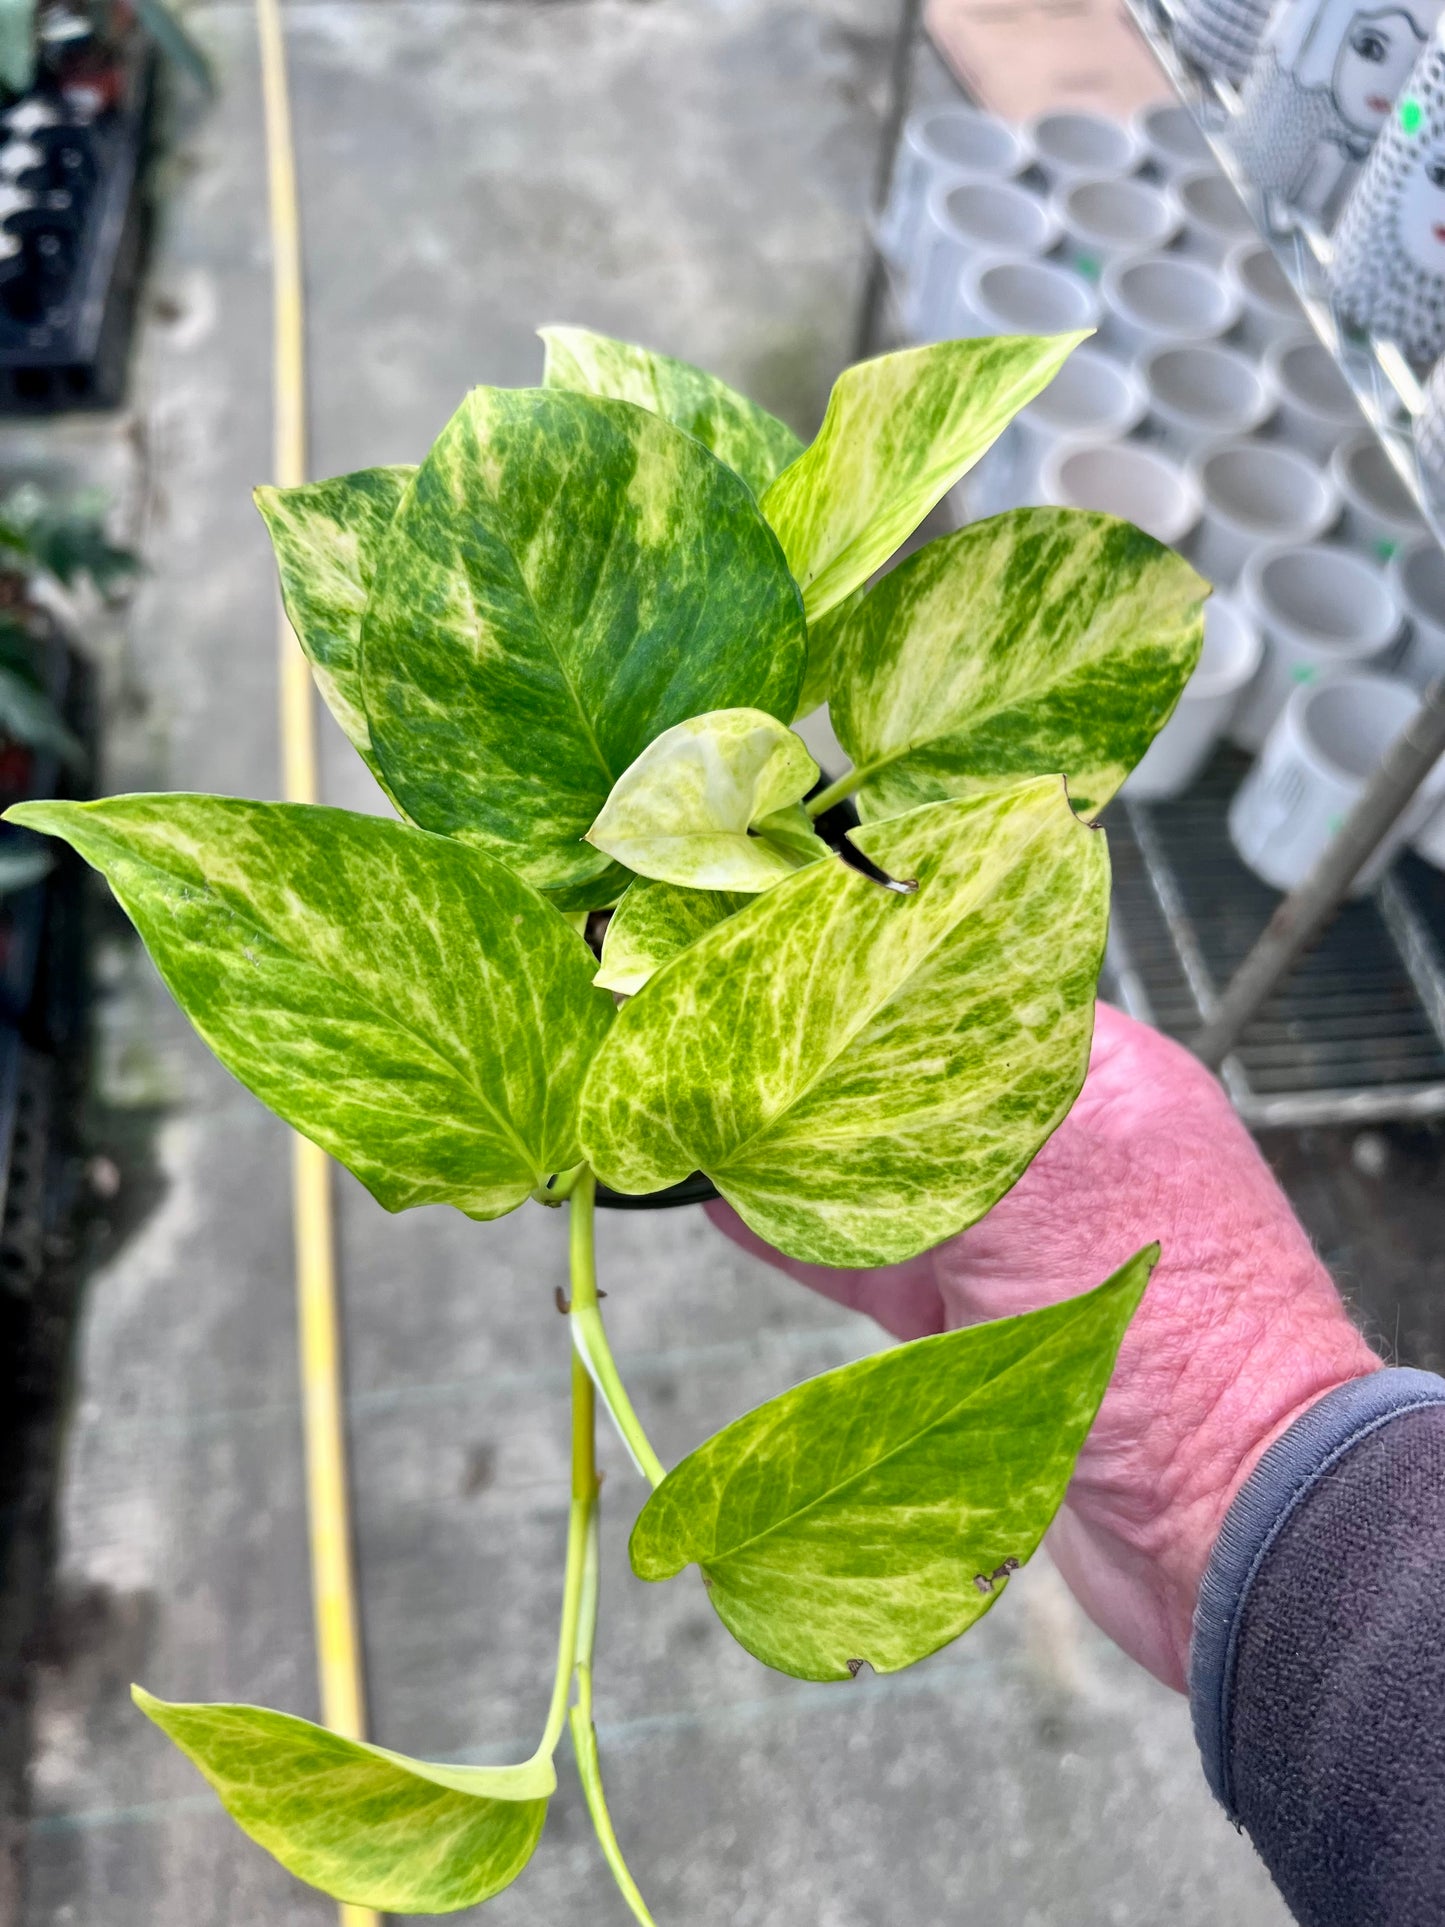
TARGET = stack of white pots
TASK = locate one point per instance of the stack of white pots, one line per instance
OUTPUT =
(1205, 411)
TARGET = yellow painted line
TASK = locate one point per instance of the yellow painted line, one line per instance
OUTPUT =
(333, 1582)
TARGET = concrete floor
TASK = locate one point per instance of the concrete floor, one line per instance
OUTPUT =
(695, 174)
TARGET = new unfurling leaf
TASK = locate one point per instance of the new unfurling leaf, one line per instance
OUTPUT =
(696, 806)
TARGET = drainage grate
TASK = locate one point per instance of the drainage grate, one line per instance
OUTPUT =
(1356, 1032)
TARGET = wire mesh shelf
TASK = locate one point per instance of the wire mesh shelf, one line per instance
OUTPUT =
(1355, 1033)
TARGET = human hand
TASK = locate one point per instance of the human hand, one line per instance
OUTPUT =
(1240, 1329)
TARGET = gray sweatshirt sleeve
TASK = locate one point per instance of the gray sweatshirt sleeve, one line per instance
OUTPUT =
(1318, 1661)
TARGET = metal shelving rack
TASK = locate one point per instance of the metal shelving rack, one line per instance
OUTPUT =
(1354, 1032)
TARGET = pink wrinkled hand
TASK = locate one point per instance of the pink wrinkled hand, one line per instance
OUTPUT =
(1240, 1329)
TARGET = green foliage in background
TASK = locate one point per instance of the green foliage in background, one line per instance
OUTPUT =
(570, 646)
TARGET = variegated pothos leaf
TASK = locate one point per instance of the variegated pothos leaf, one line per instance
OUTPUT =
(652, 923)
(406, 1002)
(693, 807)
(566, 578)
(1041, 640)
(361, 1823)
(873, 1514)
(898, 433)
(863, 1073)
(326, 535)
(755, 444)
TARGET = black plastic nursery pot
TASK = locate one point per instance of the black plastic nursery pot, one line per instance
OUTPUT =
(833, 826)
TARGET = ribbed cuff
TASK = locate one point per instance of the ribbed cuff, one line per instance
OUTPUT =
(1279, 1484)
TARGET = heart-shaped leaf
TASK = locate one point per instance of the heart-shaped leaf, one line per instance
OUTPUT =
(692, 808)
(408, 1003)
(652, 923)
(873, 1514)
(566, 578)
(365, 1825)
(898, 433)
(862, 1073)
(1045, 639)
(326, 535)
(755, 444)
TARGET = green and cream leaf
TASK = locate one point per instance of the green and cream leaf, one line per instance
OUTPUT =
(566, 578)
(326, 535)
(1041, 640)
(363, 1824)
(406, 1002)
(653, 922)
(862, 1073)
(898, 433)
(751, 441)
(694, 807)
(874, 1513)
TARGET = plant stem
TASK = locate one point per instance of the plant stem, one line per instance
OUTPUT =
(582, 1571)
(584, 1745)
(589, 1336)
(835, 792)
(580, 1529)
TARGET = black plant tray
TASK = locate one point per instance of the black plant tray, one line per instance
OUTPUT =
(65, 329)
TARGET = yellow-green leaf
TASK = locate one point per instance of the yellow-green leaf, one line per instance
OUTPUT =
(326, 535)
(898, 433)
(751, 441)
(862, 1073)
(873, 1514)
(1041, 640)
(363, 1824)
(652, 923)
(692, 809)
(565, 578)
(408, 1003)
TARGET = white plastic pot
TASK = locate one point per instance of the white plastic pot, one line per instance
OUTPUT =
(1170, 139)
(1025, 298)
(1215, 219)
(1161, 301)
(965, 220)
(1267, 304)
(1072, 144)
(1228, 660)
(1320, 611)
(1379, 515)
(1255, 495)
(1202, 393)
(1101, 220)
(1315, 408)
(1323, 749)
(938, 143)
(1093, 398)
(1121, 478)
(1417, 576)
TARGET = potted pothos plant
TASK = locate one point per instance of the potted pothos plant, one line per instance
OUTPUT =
(570, 647)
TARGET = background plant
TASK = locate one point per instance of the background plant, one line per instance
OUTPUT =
(570, 646)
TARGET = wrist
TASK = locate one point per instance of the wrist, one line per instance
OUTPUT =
(1250, 1398)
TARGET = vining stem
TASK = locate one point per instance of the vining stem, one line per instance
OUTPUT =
(835, 793)
(589, 1336)
(580, 1523)
(582, 1560)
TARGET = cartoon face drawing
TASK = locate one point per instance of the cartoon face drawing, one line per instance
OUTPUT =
(1420, 213)
(1377, 52)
